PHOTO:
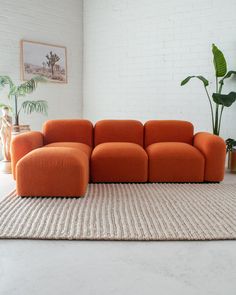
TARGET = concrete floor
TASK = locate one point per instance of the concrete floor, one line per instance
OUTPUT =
(89, 267)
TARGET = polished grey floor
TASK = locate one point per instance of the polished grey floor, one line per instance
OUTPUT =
(89, 267)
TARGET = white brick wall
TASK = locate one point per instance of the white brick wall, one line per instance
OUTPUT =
(136, 52)
(50, 21)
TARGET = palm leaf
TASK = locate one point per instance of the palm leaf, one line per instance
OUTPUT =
(219, 62)
(37, 106)
(29, 86)
(5, 80)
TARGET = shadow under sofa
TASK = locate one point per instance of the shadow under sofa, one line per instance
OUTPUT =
(68, 154)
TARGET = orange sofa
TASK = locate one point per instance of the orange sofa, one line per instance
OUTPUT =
(67, 154)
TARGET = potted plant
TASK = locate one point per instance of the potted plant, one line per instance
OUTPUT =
(217, 101)
(27, 106)
(231, 150)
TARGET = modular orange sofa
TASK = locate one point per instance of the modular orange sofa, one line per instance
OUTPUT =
(68, 154)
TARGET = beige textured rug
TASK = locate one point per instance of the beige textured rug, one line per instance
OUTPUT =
(125, 212)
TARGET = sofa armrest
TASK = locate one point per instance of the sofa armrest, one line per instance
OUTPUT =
(22, 144)
(214, 150)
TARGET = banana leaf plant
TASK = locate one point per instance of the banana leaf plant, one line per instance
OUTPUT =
(217, 101)
(16, 92)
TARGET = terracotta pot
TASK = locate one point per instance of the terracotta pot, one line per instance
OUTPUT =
(232, 161)
(18, 129)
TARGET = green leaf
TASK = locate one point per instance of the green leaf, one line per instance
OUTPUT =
(230, 144)
(228, 75)
(5, 80)
(219, 62)
(12, 91)
(204, 80)
(29, 86)
(225, 100)
(185, 81)
(37, 106)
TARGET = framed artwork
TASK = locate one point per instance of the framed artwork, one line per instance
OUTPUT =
(47, 60)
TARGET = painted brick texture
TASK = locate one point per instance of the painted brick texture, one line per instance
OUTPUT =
(50, 21)
(136, 52)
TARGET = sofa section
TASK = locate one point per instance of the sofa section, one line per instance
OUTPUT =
(118, 155)
(177, 155)
(58, 171)
(172, 157)
(56, 161)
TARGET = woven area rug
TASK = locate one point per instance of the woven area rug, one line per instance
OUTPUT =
(125, 212)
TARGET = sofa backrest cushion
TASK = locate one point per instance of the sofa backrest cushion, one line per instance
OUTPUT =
(118, 131)
(68, 131)
(168, 131)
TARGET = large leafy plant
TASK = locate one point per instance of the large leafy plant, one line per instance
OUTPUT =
(217, 101)
(16, 92)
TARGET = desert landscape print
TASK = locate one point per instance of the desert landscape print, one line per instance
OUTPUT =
(43, 59)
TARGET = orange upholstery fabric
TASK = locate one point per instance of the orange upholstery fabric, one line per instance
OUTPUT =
(168, 131)
(68, 131)
(118, 131)
(57, 171)
(214, 150)
(22, 144)
(119, 162)
(175, 162)
(80, 146)
(58, 161)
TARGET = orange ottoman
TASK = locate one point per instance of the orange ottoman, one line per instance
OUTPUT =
(119, 162)
(175, 162)
(57, 171)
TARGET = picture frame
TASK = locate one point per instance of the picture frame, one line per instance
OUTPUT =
(48, 60)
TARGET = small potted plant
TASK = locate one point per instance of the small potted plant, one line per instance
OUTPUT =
(231, 150)
(27, 106)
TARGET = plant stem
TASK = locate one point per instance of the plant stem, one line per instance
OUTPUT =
(221, 111)
(221, 86)
(216, 129)
(16, 111)
(222, 108)
(216, 120)
(212, 114)
(217, 85)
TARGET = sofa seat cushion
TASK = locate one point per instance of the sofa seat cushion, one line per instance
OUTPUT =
(80, 146)
(119, 162)
(52, 172)
(175, 162)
